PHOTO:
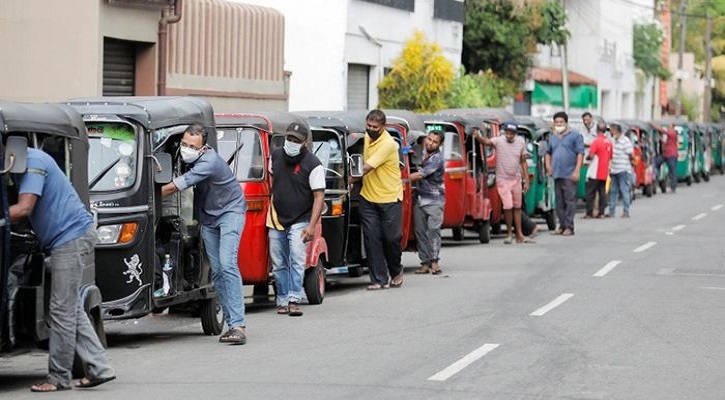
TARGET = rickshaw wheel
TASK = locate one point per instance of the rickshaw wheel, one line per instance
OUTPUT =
(688, 181)
(212, 317)
(484, 231)
(706, 177)
(550, 218)
(696, 177)
(648, 190)
(496, 228)
(663, 186)
(315, 283)
(457, 234)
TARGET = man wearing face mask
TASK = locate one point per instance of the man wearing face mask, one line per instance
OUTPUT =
(221, 209)
(298, 195)
(563, 160)
(380, 204)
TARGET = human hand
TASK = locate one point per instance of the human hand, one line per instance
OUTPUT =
(526, 185)
(308, 233)
(575, 175)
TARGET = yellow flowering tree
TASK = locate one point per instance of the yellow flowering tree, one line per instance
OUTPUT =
(420, 79)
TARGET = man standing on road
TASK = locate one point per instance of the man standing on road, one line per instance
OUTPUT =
(381, 204)
(298, 195)
(221, 209)
(563, 160)
(669, 155)
(429, 201)
(601, 151)
(511, 173)
(620, 170)
(65, 229)
(590, 129)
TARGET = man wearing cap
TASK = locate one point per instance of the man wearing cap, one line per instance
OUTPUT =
(511, 172)
(298, 195)
(563, 159)
(222, 209)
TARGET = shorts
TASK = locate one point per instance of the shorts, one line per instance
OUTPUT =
(510, 191)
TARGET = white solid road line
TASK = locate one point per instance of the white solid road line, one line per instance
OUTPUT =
(610, 266)
(467, 360)
(712, 287)
(555, 303)
(678, 227)
(644, 247)
(717, 207)
(699, 216)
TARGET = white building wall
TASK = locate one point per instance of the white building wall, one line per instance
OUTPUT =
(323, 36)
(600, 48)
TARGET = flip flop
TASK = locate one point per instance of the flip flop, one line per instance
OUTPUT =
(376, 286)
(437, 271)
(294, 310)
(508, 241)
(526, 241)
(283, 310)
(89, 383)
(234, 336)
(48, 387)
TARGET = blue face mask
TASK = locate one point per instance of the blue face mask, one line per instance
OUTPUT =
(292, 149)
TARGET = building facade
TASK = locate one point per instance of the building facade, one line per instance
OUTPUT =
(338, 51)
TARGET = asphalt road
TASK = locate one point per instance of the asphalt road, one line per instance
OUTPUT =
(626, 309)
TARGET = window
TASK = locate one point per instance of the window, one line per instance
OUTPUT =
(328, 149)
(112, 159)
(241, 148)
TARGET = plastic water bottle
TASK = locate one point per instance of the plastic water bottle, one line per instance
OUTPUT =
(168, 275)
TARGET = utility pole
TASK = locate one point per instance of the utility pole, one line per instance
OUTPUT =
(680, 51)
(564, 71)
(707, 97)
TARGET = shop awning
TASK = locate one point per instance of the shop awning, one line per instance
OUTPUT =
(580, 96)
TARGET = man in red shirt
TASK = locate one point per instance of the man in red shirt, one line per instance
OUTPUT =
(601, 148)
(668, 139)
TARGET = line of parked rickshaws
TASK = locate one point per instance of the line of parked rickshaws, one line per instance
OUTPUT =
(118, 152)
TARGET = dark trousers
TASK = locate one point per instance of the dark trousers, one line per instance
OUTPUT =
(671, 166)
(594, 187)
(382, 230)
(565, 191)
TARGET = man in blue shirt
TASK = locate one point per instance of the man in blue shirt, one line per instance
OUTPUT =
(221, 209)
(563, 160)
(429, 202)
(65, 230)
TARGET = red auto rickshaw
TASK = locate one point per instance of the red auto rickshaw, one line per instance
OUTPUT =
(468, 205)
(644, 154)
(246, 142)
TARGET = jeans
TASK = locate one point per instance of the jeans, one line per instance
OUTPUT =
(596, 187)
(428, 219)
(288, 253)
(70, 329)
(382, 226)
(672, 169)
(222, 244)
(620, 184)
(565, 190)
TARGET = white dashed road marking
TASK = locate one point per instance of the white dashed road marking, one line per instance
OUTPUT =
(717, 207)
(712, 287)
(467, 360)
(644, 247)
(610, 266)
(555, 303)
(699, 216)
(678, 227)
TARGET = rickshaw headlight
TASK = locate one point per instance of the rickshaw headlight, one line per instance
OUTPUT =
(336, 208)
(119, 233)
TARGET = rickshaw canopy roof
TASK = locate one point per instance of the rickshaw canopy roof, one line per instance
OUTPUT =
(350, 121)
(409, 119)
(54, 119)
(467, 120)
(151, 112)
(499, 114)
(535, 123)
(280, 120)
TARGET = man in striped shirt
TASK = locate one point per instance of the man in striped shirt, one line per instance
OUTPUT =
(620, 170)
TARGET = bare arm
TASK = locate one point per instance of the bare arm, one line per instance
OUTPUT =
(24, 207)
(317, 204)
(547, 163)
(168, 189)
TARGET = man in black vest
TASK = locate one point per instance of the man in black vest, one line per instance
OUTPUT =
(298, 195)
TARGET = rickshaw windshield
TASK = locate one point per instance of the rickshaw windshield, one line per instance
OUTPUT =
(452, 142)
(241, 148)
(328, 149)
(113, 154)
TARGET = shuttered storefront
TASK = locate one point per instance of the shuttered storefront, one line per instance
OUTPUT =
(358, 86)
(119, 67)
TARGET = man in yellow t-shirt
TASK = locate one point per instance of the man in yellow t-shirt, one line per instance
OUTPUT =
(381, 204)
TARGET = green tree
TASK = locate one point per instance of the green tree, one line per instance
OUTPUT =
(483, 89)
(648, 39)
(420, 79)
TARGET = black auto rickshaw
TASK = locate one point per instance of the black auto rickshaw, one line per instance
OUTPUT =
(134, 150)
(24, 281)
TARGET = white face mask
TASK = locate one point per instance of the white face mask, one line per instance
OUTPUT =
(560, 129)
(189, 155)
(292, 149)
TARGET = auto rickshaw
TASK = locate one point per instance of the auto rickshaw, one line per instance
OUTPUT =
(685, 148)
(717, 150)
(134, 150)
(540, 199)
(644, 174)
(58, 130)
(701, 142)
(466, 180)
(246, 142)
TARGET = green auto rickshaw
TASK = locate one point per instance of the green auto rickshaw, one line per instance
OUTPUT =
(539, 200)
(685, 148)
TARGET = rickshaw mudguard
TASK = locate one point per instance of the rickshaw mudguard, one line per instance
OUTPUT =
(316, 248)
(90, 295)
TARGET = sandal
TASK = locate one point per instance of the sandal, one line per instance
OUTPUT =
(424, 269)
(526, 240)
(48, 387)
(397, 281)
(508, 240)
(377, 286)
(234, 336)
(294, 310)
(437, 271)
(89, 383)
(283, 310)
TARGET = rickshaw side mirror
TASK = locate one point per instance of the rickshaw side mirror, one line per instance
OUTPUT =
(164, 168)
(356, 165)
(16, 155)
